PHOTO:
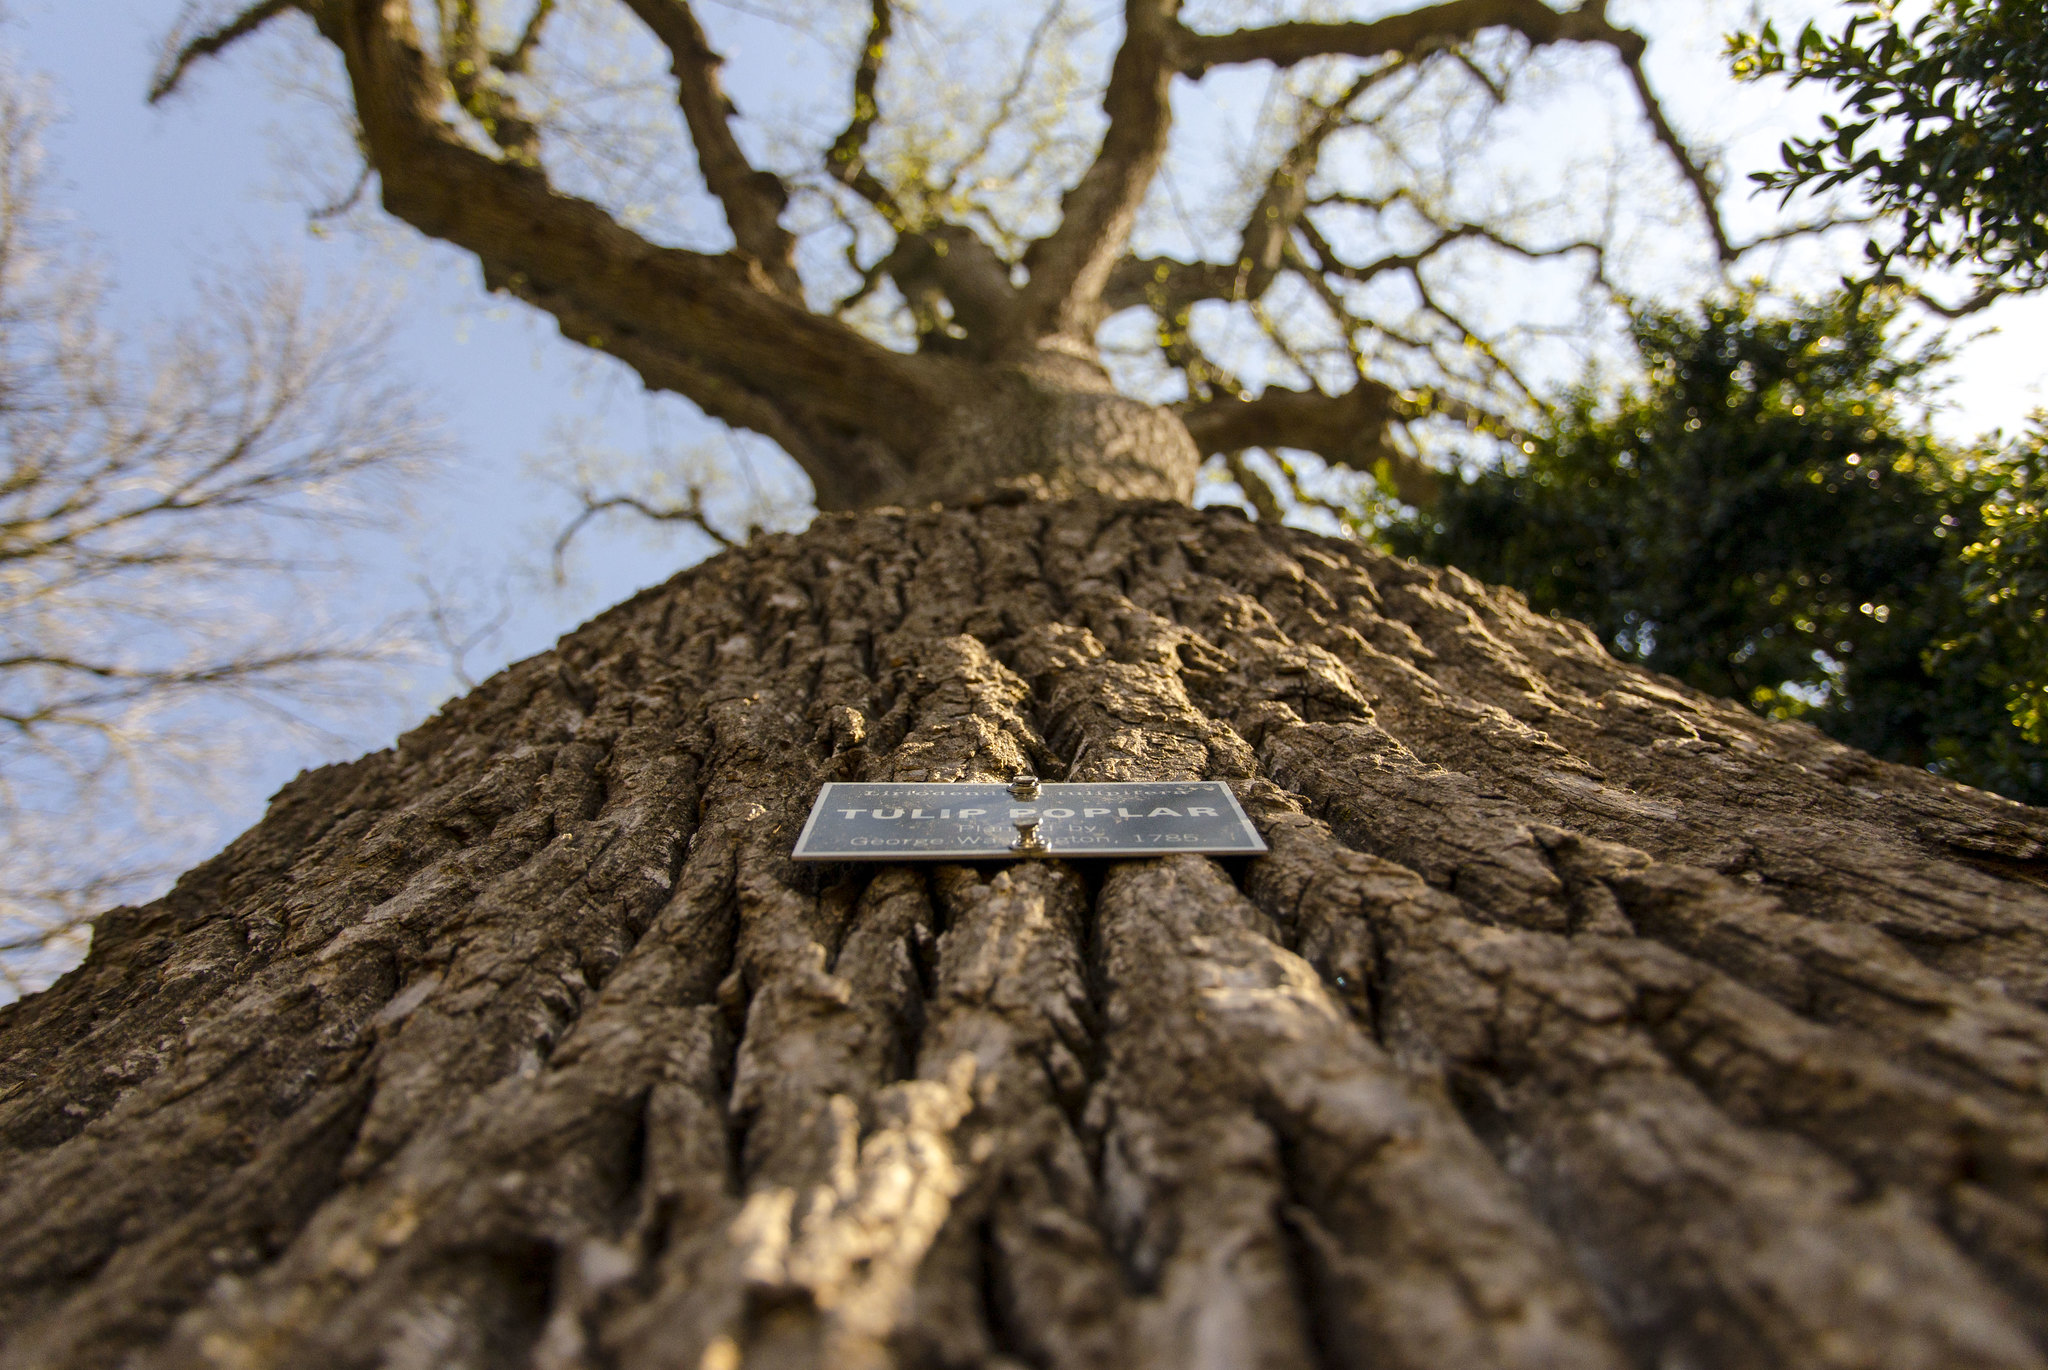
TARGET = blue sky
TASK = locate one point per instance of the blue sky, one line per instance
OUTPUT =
(165, 192)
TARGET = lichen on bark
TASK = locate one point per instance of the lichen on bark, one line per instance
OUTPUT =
(1574, 1019)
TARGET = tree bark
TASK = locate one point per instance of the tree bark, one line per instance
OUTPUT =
(1574, 1020)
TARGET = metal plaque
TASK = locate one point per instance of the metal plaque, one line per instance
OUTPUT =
(856, 822)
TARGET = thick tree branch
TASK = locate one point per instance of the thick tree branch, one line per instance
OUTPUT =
(1258, 492)
(1303, 497)
(513, 60)
(930, 259)
(847, 464)
(753, 199)
(1070, 268)
(711, 327)
(1346, 430)
(952, 260)
(1430, 28)
(1167, 285)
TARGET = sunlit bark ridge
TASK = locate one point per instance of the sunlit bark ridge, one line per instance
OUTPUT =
(1016, 353)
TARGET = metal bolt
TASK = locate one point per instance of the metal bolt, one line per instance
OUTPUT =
(1024, 785)
(1028, 842)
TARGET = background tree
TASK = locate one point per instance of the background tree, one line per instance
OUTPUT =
(1575, 1018)
(1944, 120)
(2007, 583)
(156, 515)
(1763, 518)
(1770, 518)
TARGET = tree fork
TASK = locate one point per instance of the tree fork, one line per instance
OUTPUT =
(1575, 1019)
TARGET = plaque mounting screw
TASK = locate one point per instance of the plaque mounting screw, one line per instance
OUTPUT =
(1024, 786)
(1028, 842)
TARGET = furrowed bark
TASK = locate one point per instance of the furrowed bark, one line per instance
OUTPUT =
(1574, 1019)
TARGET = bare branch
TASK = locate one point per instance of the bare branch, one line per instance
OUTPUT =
(1801, 230)
(1961, 309)
(1703, 188)
(1205, 378)
(930, 259)
(690, 511)
(346, 201)
(1448, 234)
(1349, 326)
(1271, 223)
(846, 159)
(179, 57)
(1441, 26)
(753, 199)
(1471, 339)
(1431, 28)
(1329, 262)
(1495, 91)
(1168, 285)
(1033, 45)
(158, 505)
(128, 684)
(456, 640)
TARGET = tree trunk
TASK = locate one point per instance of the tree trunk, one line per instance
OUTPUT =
(1049, 426)
(1574, 1020)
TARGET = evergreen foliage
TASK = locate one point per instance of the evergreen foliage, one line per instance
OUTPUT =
(1766, 517)
(1945, 123)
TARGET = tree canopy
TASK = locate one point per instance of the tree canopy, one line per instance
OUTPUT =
(877, 247)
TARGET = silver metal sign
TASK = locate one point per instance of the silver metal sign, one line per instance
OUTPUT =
(860, 822)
